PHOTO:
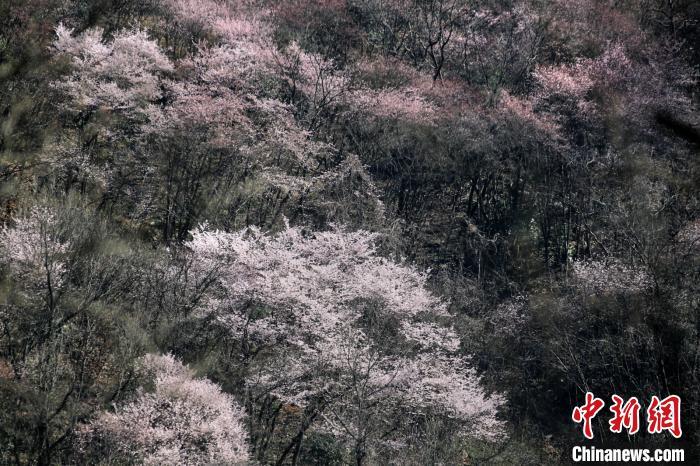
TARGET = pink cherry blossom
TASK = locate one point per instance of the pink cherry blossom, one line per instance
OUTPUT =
(122, 75)
(183, 421)
(317, 286)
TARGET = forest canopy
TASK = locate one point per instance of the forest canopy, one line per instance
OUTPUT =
(338, 232)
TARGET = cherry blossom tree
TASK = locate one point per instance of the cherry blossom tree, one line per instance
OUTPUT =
(37, 251)
(610, 276)
(689, 235)
(122, 75)
(184, 421)
(403, 104)
(232, 108)
(111, 91)
(359, 336)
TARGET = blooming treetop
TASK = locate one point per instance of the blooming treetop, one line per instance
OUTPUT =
(325, 304)
(121, 75)
(405, 103)
(184, 421)
(610, 276)
(34, 248)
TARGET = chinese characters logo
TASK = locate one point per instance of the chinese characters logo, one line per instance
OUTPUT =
(662, 415)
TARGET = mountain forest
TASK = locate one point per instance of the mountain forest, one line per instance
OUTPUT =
(346, 232)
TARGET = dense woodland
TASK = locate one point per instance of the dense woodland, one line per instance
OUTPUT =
(333, 232)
